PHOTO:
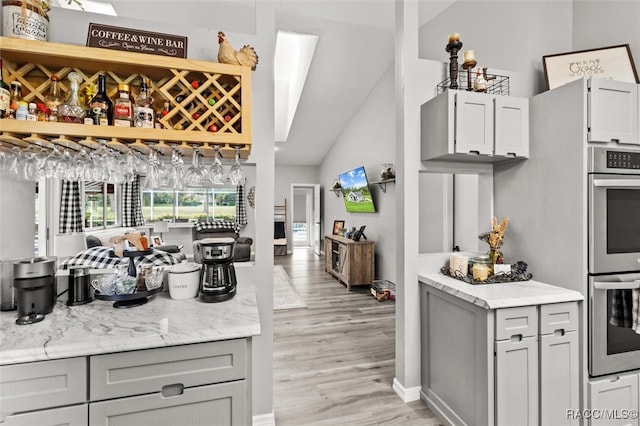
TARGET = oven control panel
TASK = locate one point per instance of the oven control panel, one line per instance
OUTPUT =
(623, 160)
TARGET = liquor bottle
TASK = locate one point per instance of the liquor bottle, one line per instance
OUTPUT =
(16, 95)
(123, 107)
(101, 106)
(481, 82)
(32, 112)
(72, 111)
(5, 95)
(143, 110)
(54, 98)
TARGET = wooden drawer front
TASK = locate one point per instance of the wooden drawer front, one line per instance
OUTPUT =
(221, 404)
(558, 316)
(76, 415)
(146, 371)
(37, 385)
(521, 321)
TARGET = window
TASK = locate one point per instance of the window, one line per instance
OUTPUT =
(100, 205)
(189, 205)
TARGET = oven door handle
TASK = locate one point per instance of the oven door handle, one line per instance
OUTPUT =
(619, 285)
(620, 183)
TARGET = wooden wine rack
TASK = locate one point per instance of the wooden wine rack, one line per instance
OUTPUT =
(187, 125)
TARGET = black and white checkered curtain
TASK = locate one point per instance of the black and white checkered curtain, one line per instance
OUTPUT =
(132, 203)
(71, 208)
(241, 208)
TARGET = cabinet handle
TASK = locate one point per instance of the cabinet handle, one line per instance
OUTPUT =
(516, 338)
(559, 332)
(474, 152)
(615, 140)
(172, 390)
(511, 154)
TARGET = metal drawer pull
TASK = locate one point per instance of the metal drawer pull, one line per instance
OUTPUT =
(172, 390)
(474, 152)
(627, 285)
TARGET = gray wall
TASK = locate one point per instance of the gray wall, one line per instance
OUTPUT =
(369, 141)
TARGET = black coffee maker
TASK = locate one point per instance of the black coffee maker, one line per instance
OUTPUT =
(217, 276)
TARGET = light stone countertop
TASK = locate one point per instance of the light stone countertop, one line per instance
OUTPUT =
(98, 328)
(491, 296)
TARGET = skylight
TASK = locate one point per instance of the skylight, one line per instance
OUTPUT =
(102, 8)
(294, 52)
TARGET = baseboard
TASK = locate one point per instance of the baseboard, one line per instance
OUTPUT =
(264, 420)
(406, 394)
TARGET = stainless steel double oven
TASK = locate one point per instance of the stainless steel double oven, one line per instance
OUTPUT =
(614, 259)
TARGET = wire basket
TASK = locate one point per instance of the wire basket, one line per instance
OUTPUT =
(496, 84)
(383, 290)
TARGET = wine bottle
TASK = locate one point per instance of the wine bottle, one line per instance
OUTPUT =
(101, 106)
(143, 110)
(4, 95)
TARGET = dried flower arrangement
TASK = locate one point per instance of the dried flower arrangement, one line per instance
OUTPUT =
(494, 238)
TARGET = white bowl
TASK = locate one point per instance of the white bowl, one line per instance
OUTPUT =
(184, 281)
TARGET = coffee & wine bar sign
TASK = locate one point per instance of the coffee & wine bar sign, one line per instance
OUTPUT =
(130, 40)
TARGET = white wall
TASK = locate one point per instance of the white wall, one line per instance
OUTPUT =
(369, 141)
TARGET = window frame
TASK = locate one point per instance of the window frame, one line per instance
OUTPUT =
(210, 193)
(117, 192)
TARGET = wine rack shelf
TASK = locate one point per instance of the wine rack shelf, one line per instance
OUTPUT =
(221, 97)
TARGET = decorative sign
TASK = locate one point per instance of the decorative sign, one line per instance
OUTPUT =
(131, 40)
(613, 63)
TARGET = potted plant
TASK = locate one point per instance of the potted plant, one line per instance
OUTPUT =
(27, 18)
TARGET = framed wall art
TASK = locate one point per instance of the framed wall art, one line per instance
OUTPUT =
(613, 63)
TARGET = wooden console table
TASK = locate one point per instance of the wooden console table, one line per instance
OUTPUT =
(351, 262)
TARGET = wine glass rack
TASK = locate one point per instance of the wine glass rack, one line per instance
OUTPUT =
(210, 103)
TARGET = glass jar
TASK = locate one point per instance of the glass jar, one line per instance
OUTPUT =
(481, 267)
(387, 172)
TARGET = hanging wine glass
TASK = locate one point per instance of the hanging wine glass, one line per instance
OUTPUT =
(236, 174)
(217, 173)
(195, 176)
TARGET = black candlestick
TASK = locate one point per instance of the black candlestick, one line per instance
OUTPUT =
(453, 47)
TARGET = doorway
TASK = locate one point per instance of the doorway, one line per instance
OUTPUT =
(305, 216)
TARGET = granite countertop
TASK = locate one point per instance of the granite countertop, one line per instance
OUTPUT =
(98, 328)
(503, 295)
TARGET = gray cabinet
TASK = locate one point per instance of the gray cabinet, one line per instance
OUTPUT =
(198, 384)
(516, 365)
(474, 127)
(519, 366)
(559, 358)
(612, 113)
(611, 397)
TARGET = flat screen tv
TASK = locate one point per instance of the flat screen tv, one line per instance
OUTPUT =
(355, 191)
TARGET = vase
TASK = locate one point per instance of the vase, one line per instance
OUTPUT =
(24, 20)
(495, 255)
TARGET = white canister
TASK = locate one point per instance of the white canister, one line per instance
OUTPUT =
(459, 264)
(184, 280)
(23, 22)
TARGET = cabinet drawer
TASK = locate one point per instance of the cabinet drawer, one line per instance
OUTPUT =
(37, 385)
(558, 316)
(521, 321)
(614, 394)
(221, 404)
(66, 416)
(150, 370)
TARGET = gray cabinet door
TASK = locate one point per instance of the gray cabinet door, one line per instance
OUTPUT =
(474, 123)
(613, 399)
(68, 416)
(221, 405)
(612, 112)
(516, 390)
(559, 379)
(511, 127)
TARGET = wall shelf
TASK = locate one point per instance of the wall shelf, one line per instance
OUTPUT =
(336, 191)
(383, 183)
(227, 87)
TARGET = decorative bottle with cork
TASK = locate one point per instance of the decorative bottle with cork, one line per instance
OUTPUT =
(143, 110)
(72, 110)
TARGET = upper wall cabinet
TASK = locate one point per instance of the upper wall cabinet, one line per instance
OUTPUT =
(209, 102)
(612, 112)
(475, 127)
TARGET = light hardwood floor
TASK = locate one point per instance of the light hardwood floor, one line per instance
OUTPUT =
(334, 360)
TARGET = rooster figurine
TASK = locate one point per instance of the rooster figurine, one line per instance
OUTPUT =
(228, 55)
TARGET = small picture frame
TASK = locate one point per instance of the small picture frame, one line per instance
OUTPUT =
(359, 234)
(156, 240)
(338, 227)
(612, 63)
